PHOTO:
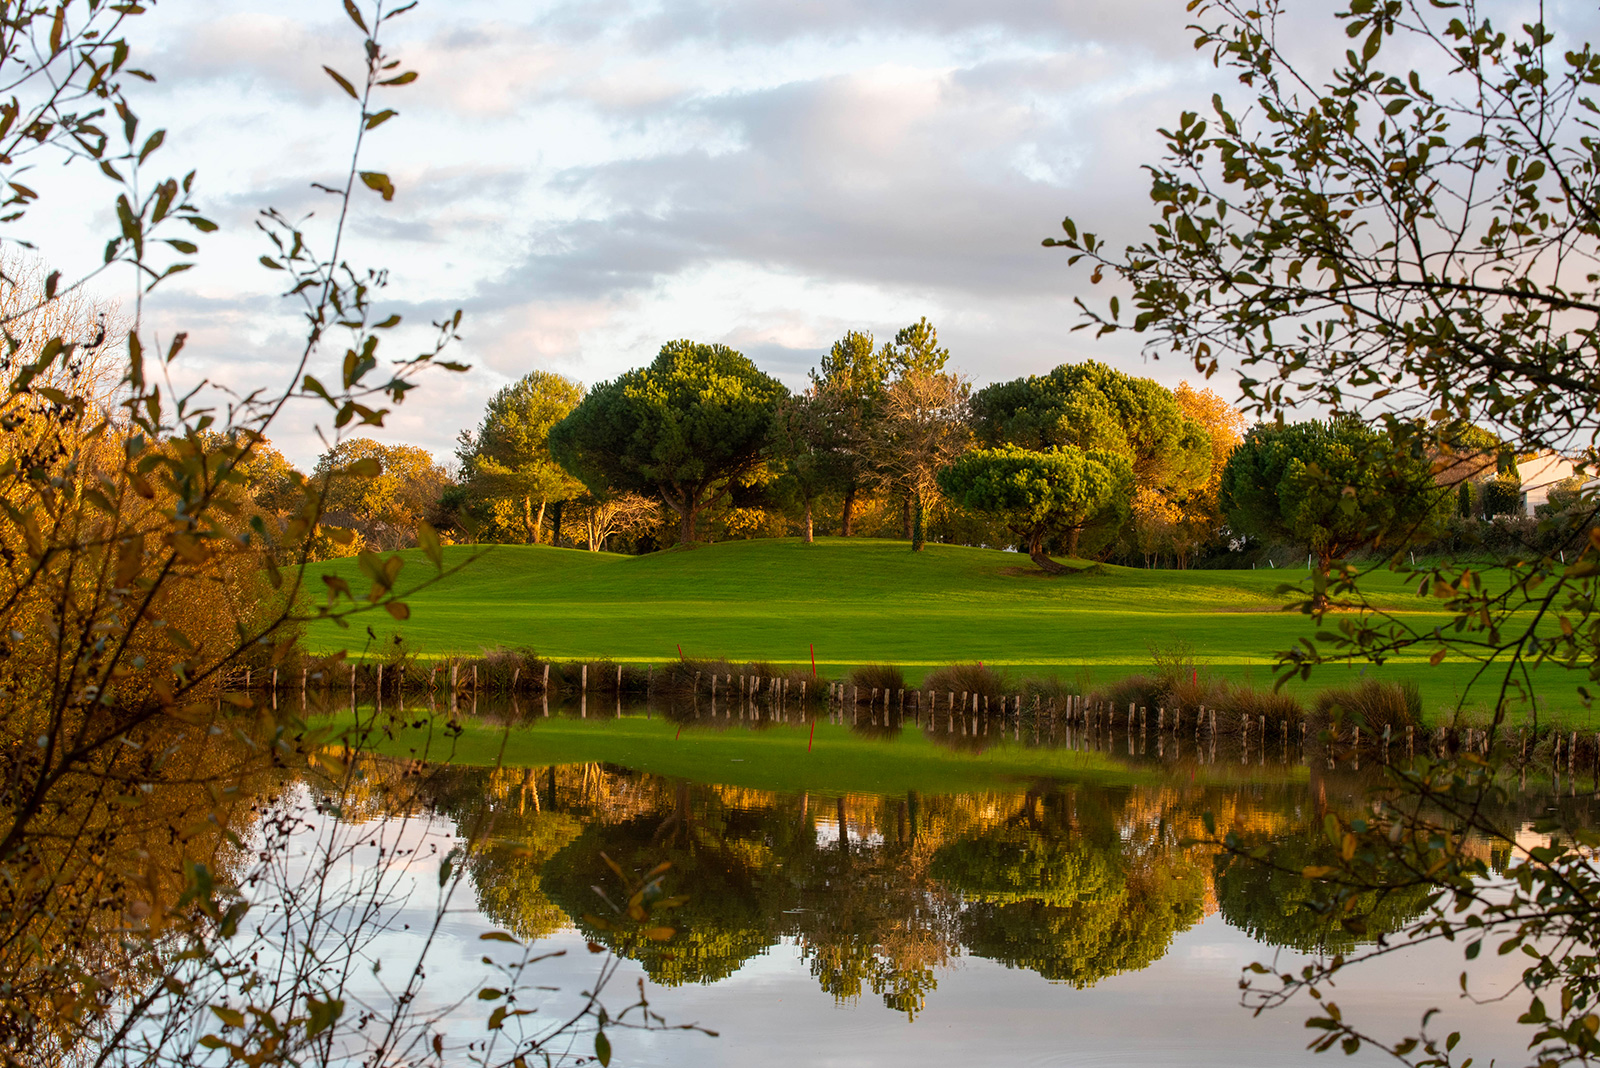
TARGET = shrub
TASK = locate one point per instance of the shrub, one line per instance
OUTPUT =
(1050, 691)
(1242, 699)
(1370, 705)
(1146, 691)
(871, 677)
(969, 679)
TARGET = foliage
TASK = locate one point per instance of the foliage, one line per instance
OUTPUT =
(688, 430)
(1412, 240)
(509, 455)
(1040, 494)
(1333, 487)
(923, 427)
(1199, 520)
(383, 492)
(165, 897)
(810, 436)
(1098, 409)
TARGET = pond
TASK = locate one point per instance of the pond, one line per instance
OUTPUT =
(879, 888)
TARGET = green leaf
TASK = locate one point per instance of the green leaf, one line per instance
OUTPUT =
(401, 79)
(381, 117)
(230, 1017)
(355, 16)
(153, 143)
(344, 83)
(378, 181)
(428, 539)
(602, 1048)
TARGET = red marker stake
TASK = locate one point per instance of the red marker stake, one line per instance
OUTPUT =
(813, 649)
(680, 731)
(813, 733)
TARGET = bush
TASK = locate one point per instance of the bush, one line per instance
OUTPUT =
(968, 679)
(1049, 692)
(1242, 699)
(1370, 705)
(871, 677)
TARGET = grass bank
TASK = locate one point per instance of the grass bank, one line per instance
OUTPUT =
(860, 601)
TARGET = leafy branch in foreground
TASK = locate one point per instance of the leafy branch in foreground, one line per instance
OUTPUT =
(174, 877)
(1417, 247)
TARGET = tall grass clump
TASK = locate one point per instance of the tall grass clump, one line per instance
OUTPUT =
(969, 679)
(1047, 692)
(1242, 699)
(1370, 705)
(869, 677)
(685, 678)
(1144, 691)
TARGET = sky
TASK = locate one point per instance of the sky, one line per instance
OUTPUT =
(587, 179)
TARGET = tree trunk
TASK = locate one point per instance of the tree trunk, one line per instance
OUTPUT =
(919, 524)
(810, 526)
(906, 509)
(686, 525)
(1037, 554)
(848, 517)
(555, 521)
(538, 523)
(1072, 542)
(530, 533)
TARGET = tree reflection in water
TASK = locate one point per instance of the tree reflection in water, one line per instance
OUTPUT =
(1074, 882)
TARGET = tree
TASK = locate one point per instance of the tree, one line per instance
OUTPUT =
(808, 444)
(1333, 487)
(923, 428)
(685, 430)
(848, 386)
(1096, 408)
(915, 348)
(618, 513)
(1039, 494)
(509, 455)
(385, 507)
(1199, 519)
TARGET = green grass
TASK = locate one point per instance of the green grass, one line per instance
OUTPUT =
(861, 601)
(788, 758)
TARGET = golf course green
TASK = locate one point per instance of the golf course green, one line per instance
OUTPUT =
(860, 601)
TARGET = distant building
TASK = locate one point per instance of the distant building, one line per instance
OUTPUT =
(1540, 473)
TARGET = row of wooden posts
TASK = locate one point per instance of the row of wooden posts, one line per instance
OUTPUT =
(1078, 710)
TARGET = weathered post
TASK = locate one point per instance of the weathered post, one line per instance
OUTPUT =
(547, 678)
(584, 677)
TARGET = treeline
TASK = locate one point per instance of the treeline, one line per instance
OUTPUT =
(886, 441)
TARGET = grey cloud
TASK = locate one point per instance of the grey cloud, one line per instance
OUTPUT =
(732, 22)
(915, 186)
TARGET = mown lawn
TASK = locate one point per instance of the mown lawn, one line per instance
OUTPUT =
(862, 601)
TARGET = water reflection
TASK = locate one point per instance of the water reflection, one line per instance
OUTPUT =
(879, 894)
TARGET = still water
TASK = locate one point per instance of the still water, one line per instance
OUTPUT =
(891, 892)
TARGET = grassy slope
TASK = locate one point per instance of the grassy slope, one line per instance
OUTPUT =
(862, 601)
